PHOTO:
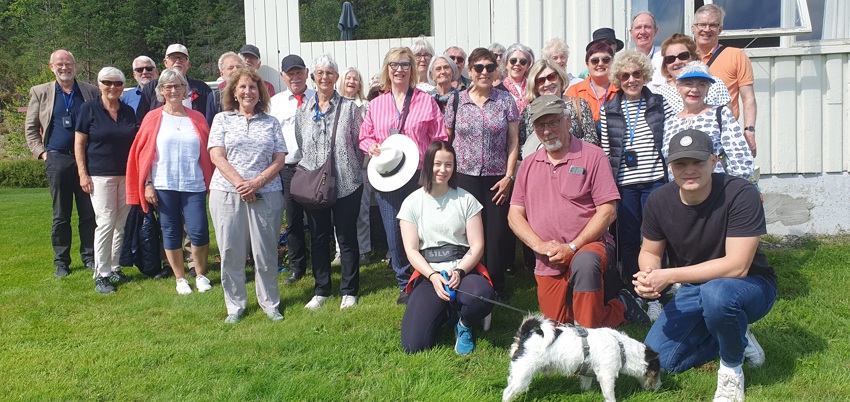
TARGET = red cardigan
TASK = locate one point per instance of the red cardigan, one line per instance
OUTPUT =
(143, 152)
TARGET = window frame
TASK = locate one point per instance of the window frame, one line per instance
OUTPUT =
(801, 7)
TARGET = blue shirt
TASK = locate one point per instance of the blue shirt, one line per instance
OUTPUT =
(61, 137)
(109, 140)
(132, 97)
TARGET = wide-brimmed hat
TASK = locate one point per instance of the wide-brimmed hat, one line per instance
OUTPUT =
(693, 144)
(605, 33)
(396, 164)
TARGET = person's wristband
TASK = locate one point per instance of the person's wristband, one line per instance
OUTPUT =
(573, 246)
(264, 178)
(460, 272)
(510, 177)
(432, 273)
(148, 183)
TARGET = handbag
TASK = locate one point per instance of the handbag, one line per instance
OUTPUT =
(316, 189)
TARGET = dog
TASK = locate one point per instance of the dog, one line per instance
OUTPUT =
(546, 345)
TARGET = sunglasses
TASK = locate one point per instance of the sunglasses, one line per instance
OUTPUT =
(112, 83)
(596, 60)
(681, 56)
(498, 55)
(404, 66)
(457, 59)
(479, 68)
(551, 77)
(514, 61)
(625, 76)
(145, 68)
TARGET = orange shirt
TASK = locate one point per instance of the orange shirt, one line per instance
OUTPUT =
(585, 91)
(734, 68)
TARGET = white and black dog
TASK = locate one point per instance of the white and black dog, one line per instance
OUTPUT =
(546, 345)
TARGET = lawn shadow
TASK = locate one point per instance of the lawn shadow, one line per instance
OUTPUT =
(786, 260)
(784, 346)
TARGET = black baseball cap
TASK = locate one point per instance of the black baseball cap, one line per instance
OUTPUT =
(693, 144)
(290, 62)
(250, 49)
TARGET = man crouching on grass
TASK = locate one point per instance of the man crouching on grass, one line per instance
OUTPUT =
(709, 224)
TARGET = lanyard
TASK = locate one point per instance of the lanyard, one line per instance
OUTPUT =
(595, 95)
(69, 101)
(632, 126)
(319, 115)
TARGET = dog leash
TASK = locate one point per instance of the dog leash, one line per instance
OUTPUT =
(482, 298)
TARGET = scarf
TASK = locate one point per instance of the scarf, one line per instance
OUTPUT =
(519, 96)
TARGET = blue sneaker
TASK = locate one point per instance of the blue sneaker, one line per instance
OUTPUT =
(464, 344)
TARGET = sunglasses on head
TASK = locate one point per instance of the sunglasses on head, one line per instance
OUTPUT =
(457, 59)
(514, 60)
(596, 60)
(479, 68)
(681, 56)
(626, 75)
(145, 68)
(112, 83)
(553, 76)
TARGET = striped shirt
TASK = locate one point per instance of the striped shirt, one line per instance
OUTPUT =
(424, 122)
(649, 166)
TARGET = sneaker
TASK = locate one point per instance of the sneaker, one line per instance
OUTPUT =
(464, 344)
(232, 318)
(316, 302)
(753, 353)
(487, 321)
(634, 314)
(90, 265)
(119, 277)
(348, 301)
(654, 310)
(337, 260)
(183, 287)
(364, 259)
(403, 297)
(102, 285)
(61, 271)
(275, 316)
(202, 283)
(730, 388)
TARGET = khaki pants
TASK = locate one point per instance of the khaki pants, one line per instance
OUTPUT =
(109, 201)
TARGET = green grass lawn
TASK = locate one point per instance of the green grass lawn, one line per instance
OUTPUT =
(61, 340)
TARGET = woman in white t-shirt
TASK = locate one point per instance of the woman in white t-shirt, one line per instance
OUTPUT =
(443, 234)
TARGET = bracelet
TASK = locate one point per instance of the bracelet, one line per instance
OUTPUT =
(510, 177)
(432, 273)
(573, 246)
(264, 178)
(148, 183)
(460, 272)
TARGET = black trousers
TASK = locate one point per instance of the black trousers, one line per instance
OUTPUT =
(499, 239)
(295, 243)
(64, 182)
(342, 216)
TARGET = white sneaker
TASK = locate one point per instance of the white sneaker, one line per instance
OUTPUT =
(316, 302)
(654, 310)
(183, 287)
(337, 260)
(730, 388)
(487, 321)
(202, 283)
(753, 353)
(347, 301)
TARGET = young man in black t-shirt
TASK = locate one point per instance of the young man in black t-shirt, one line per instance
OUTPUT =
(709, 225)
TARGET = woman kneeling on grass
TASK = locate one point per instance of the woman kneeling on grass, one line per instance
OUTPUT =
(442, 232)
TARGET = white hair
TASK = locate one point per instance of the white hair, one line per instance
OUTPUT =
(452, 65)
(107, 72)
(325, 61)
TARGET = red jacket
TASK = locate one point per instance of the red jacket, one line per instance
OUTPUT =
(143, 152)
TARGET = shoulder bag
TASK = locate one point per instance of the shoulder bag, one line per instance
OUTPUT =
(316, 189)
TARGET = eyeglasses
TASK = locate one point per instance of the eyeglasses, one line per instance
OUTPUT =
(322, 73)
(145, 68)
(457, 59)
(404, 66)
(112, 83)
(550, 125)
(422, 56)
(498, 55)
(626, 75)
(703, 25)
(64, 65)
(553, 76)
(681, 56)
(596, 60)
(172, 87)
(514, 61)
(178, 58)
(479, 68)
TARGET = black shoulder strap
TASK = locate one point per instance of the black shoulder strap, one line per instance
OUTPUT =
(716, 53)
(454, 107)
(406, 108)
(719, 117)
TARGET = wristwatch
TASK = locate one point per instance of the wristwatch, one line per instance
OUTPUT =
(510, 177)
(573, 246)
(148, 183)
(750, 128)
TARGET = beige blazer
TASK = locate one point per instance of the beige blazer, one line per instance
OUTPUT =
(40, 111)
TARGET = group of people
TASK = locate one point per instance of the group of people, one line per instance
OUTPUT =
(642, 165)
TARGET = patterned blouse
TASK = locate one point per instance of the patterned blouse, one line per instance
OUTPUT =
(731, 140)
(313, 131)
(481, 133)
(717, 95)
(250, 145)
(587, 131)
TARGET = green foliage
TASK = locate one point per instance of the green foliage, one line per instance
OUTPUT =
(22, 173)
(378, 19)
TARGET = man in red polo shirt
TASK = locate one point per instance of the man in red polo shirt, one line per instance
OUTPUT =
(564, 200)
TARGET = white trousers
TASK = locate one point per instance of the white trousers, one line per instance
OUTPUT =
(109, 200)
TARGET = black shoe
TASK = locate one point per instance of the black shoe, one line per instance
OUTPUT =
(102, 285)
(90, 265)
(292, 278)
(634, 314)
(403, 297)
(119, 277)
(192, 273)
(62, 271)
(165, 273)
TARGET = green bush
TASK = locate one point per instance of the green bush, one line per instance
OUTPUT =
(25, 173)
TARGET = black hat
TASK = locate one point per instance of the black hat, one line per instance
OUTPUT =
(605, 33)
(250, 49)
(290, 62)
(692, 144)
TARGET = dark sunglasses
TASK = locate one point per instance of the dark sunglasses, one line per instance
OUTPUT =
(681, 56)
(457, 59)
(596, 60)
(551, 77)
(145, 68)
(498, 55)
(625, 76)
(112, 83)
(479, 68)
(514, 60)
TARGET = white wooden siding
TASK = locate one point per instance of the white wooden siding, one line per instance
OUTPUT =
(803, 93)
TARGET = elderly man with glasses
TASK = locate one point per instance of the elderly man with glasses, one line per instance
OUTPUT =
(176, 57)
(144, 71)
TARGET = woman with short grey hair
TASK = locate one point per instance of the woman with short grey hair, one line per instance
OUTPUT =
(423, 56)
(516, 62)
(498, 51)
(441, 73)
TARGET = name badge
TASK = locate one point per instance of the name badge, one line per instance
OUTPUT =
(67, 121)
(576, 169)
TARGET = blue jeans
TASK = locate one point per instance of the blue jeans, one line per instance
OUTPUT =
(389, 204)
(710, 319)
(629, 217)
(177, 208)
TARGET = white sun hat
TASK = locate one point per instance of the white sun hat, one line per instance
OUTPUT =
(396, 164)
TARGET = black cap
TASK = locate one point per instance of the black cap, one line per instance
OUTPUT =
(693, 144)
(250, 49)
(290, 62)
(605, 33)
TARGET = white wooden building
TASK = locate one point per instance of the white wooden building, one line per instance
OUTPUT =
(802, 86)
